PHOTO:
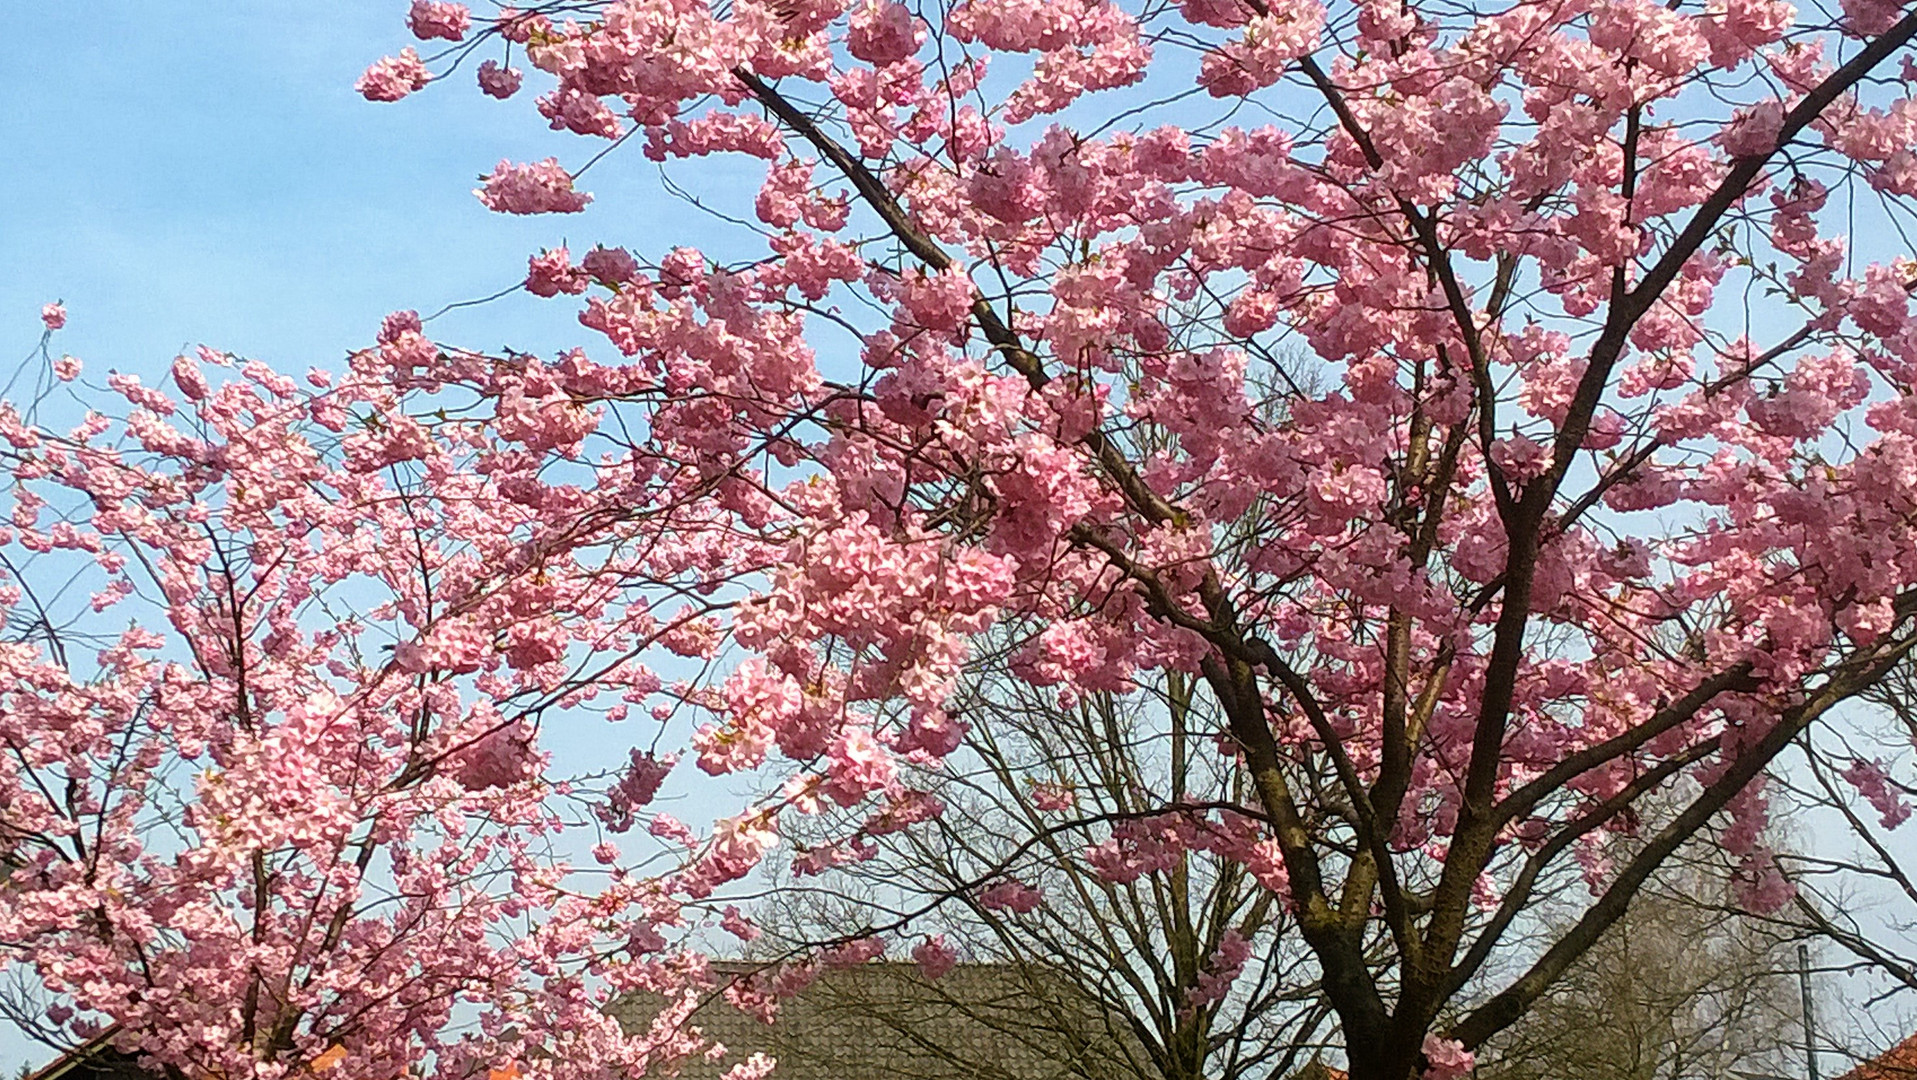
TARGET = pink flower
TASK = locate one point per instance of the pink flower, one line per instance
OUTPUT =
(1251, 313)
(187, 376)
(756, 1067)
(1446, 1058)
(1521, 458)
(937, 301)
(1869, 17)
(934, 957)
(853, 953)
(519, 27)
(667, 827)
(574, 110)
(1760, 885)
(551, 272)
(1137, 848)
(1011, 895)
(399, 324)
(497, 81)
(1873, 782)
(1065, 651)
(1606, 430)
(782, 197)
(496, 758)
(610, 266)
(737, 846)
(1270, 43)
(53, 315)
(859, 766)
(1221, 971)
(635, 788)
(538, 188)
(1053, 797)
(903, 809)
(1345, 492)
(883, 32)
(430, 19)
(1753, 132)
(736, 924)
(393, 77)
(67, 368)
(762, 702)
(1737, 28)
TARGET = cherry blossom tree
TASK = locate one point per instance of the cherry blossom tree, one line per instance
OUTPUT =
(290, 816)
(1607, 494)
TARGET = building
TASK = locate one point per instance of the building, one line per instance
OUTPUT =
(1897, 1063)
(881, 1021)
(876, 1021)
(97, 1059)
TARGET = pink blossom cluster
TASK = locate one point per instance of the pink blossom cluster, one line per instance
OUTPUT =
(499, 81)
(394, 77)
(1446, 1059)
(1221, 971)
(430, 19)
(551, 272)
(1873, 782)
(542, 187)
(934, 957)
(1011, 895)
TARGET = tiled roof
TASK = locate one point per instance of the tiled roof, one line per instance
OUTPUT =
(96, 1059)
(883, 1020)
(1897, 1063)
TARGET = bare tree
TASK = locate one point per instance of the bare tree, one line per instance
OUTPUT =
(1685, 987)
(1039, 786)
(1857, 888)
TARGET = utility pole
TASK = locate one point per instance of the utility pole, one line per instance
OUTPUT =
(1810, 1013)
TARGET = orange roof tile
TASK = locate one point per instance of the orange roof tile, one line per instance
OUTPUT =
(1897, 1063)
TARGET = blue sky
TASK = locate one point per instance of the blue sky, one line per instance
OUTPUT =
(185, 172)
